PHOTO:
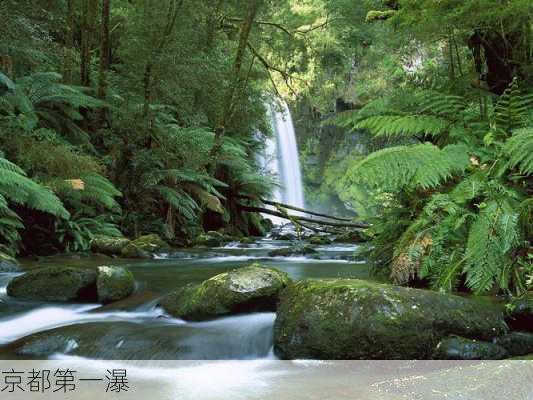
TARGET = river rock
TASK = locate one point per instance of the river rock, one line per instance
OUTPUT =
(459, 348)
(354, 319)
(520, 314)
(248, 289)
(145, 246)
(212, 239)
(296, 250)
(349, 237)
(319, 240)
(63, 284)
(109, 245)
(114, 283)
(517, 343)
(55, 284)
(8, 263)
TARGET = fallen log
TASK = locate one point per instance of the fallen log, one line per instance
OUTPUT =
(289, 207)
(297, 218)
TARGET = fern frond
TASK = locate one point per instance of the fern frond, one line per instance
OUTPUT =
(519, 149)
(492, 236)
(423, 166)
(404, 125)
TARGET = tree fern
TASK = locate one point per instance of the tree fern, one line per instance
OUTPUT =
(18, 189)
(417, 166)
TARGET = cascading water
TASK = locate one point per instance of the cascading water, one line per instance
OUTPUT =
(282, 159)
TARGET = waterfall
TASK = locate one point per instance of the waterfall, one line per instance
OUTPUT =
(282, 159)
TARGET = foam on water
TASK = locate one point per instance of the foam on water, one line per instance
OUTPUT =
(19, 325)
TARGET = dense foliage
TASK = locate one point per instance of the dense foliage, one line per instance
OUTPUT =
(129, 117)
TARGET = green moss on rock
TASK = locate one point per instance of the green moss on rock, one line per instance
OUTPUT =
(319, 240)
(354, 319)
(114, 283)
(252, 288)
(145, 246)
(212, 239)
(109, 245)
(295, 250)
(55, 284)
(350, 237)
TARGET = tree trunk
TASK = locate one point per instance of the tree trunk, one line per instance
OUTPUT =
(69, 44)
(155, 54)
(220, 129)
(89, 12)
(104, 60)
(504, 55)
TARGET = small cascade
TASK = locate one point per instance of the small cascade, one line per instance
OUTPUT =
(281, 158)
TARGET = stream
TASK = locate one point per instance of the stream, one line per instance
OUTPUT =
(137, 329)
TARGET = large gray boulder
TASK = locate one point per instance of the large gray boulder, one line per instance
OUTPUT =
(354, 319)
(252, 288)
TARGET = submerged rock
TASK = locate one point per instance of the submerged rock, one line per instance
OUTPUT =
(55, 284)
(63, 284)
(354, 319)
(297, 250)
(459, 348)
(248, 289)
(114, 283)
(8, 263)
(109, 245)
(144, 247)
(517, 343)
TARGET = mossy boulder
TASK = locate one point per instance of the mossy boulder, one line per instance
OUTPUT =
(114, 283)
(63, 283)
(319, 240)
(296, 250)
(459, 348)
(248, 289)
(55, 284)
(8, 263)
(354, 319)
(109, 245)
(212, 239)
(349, 237)
(517, 343)
(246, 240)
(145, 246)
